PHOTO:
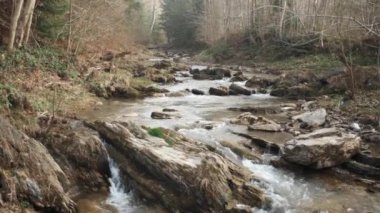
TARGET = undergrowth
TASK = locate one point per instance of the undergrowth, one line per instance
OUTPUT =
(47, 59)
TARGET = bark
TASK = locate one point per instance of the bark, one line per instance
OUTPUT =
(14, 23)
(183, 175)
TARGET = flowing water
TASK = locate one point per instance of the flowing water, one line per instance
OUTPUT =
(307, 191)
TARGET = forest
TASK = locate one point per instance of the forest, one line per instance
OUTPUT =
(130, 106)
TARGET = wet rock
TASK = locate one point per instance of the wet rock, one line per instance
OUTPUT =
(164, 115)
(29, 172)
(362, 169)
(239, 78)
(219, 91)
(200, 180)
(312, 119)
(169, 110)
(323, 152)
(197, 92)
(240, 90)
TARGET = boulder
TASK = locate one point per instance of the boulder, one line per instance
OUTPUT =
(322, 152)
(245, 119)
(240, 90)
(29, 173)
(181, 174)
(197, 92)
(78, 150)
(219, 91)
(312, 119)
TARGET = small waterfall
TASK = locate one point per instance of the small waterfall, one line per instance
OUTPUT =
(119, 198)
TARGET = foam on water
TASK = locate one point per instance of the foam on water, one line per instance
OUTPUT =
(287, 193)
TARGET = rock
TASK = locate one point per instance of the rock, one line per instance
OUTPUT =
(79, 151)
(169, 110)
(162, 115)
(245, 119)
(29, 172)
(210, 74)
(240, 90)
(312, 119)
(272, 127)
(259, 109)
(261, 82)
(239, 78)
(200, 180)
(243, 150)
(197, 92)
(320, 133)
(295, 92)
(219, 91)
(323, 152)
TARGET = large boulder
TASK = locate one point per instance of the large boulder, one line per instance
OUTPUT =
(219, 91)
(181, 174)
(322, 152)
(312, 119)
(78, 150)
(28, 173)
(236, 89)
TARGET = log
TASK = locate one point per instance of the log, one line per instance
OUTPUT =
(182, 175)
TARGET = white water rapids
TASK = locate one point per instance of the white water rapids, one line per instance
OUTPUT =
(119, 198)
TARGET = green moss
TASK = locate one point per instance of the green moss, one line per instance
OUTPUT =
(160, 133)
(157, 132)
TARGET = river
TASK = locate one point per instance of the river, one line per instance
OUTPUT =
(304, 191)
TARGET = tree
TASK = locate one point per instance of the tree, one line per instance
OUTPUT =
(181, 19)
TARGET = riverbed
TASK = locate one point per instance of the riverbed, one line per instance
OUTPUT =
(300, 191)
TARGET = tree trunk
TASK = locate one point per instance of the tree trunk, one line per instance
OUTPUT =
(26, 21)
(14, 22)
(282, 18)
